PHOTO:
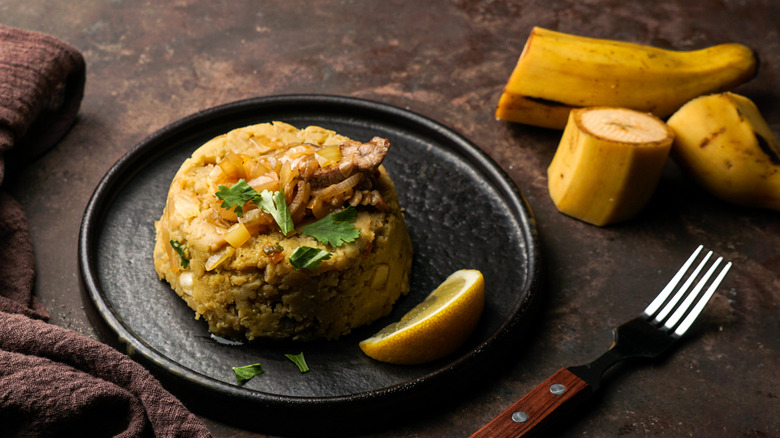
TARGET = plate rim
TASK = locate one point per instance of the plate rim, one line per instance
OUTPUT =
(110, 184)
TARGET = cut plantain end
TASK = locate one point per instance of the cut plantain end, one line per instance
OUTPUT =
(608, 163)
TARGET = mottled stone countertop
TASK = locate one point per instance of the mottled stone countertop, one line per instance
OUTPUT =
(151, 63)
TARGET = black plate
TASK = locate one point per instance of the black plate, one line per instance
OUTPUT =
(462, 212)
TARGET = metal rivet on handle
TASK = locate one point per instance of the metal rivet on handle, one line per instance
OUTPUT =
(519, 417)
(557, 388)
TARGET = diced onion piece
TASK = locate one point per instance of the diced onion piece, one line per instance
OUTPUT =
(339, 188)
(307, 166)
(300, 150)
(328, 155)
(255, 168)
(237, 235)
(250, 216)
(186, 206)
(218, 258)
(217, 176)
(265, 182)
(346, 168)
(224, 213)
(256, 219)
(286, 176)
(233, 166)
(261, 147)
(185, 281)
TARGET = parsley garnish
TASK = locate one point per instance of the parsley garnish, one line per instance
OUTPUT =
(247, 372)
(334, 229)
(306, 257)
(275, 205)
(236, 196)
(185, 263)
(298, 360)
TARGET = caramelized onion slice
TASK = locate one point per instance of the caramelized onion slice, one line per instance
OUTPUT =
(339, 188)
(317, 207)
(233, 166)
(217, 259)
(328, 155)
(300, 150)
(297, 206)
(265, 182)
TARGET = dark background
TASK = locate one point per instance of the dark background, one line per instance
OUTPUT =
(152, 63)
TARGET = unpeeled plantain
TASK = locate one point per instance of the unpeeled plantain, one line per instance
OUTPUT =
(725, 145)
(608, 163)
(557, 72)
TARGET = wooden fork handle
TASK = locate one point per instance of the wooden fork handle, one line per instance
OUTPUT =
(539, 408)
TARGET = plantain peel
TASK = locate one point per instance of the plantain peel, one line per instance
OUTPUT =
(724, 144)
(557, 72)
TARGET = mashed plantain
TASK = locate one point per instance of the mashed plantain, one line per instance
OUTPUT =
(232, 265)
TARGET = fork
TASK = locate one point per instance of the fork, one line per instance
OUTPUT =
(660, 325)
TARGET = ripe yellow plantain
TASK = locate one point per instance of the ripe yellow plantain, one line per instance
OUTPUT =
(557, 72)
(724, 144)
(608, 163)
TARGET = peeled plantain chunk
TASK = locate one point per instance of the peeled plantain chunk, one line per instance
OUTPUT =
(608, 163)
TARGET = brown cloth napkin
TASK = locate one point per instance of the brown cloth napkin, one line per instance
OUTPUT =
(54, 381)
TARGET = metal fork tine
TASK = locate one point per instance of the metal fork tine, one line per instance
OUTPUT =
(661, 298)
(673, 302)
(672, 321)
(686, 324)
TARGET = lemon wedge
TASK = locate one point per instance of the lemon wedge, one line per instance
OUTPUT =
(434, 328)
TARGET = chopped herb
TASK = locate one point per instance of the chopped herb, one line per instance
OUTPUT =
(334, 229)
(272, 249)
(306, 257)
(236, 196)
(247, 372)
(275, 205)
(298, 360)
(185, 263)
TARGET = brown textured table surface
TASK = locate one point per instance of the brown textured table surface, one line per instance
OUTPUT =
(151, 63)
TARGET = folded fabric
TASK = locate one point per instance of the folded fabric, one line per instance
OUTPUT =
(41, 87)
(54, 381)
(16, 262)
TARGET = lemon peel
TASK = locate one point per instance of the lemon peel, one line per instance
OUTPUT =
(434, 328)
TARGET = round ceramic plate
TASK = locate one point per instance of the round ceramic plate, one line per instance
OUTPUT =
(461, 210)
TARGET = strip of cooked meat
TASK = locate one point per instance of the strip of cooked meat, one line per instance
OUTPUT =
(356, 157)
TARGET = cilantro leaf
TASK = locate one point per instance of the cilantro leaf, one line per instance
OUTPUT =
(298, 360)
(185, 263)
(334, 229)
(275, 205)
(272, 203)
(306, 257)
(236, 196)
(247, 372)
